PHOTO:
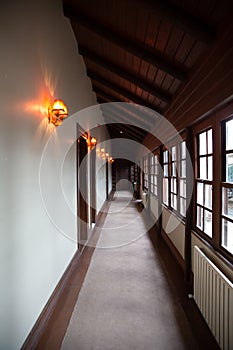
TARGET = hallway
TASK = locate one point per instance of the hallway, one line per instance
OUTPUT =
(126, 301)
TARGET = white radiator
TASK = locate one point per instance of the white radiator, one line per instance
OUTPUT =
(213, 294)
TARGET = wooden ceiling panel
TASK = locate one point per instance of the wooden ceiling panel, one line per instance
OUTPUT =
(163, 35)
(174, 42)
(142, 51)
(152, 30)
(174, 85)
(185, 48)
(151, 74)
(142, 23)
(167, 82)
(160, 75)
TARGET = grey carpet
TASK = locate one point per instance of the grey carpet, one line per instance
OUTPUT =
(126, 301)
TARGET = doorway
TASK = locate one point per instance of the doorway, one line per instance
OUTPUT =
(82, 207)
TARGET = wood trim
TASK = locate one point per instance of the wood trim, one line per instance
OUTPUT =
(58, 310)
(189, 208)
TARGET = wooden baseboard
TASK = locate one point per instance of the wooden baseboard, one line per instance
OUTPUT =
(58, 310)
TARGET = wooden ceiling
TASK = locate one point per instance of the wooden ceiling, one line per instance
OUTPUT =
(142, 51)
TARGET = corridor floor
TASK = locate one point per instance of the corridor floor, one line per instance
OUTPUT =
(126, 301)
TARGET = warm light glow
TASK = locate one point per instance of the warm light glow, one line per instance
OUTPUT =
(57, 112)
(93, 141)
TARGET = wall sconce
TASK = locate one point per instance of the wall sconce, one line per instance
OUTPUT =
(57, 112)
(93, 142)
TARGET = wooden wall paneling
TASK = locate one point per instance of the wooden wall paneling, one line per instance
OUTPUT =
(212, 59)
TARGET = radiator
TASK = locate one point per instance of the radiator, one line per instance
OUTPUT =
(213, 294)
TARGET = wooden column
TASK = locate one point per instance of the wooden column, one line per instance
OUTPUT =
(189, 206)
(160, 188)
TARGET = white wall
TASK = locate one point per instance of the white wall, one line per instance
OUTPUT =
(174, 229)
(39, 62)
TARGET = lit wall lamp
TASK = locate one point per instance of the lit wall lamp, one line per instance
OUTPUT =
(93, 142)
(57, 112)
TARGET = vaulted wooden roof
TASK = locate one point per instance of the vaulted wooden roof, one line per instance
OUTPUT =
(143, 51)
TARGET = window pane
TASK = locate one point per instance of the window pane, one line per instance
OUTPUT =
(227, 235)
(210, 141)
(165, 170)
(208, 222)
(229, 167)
(183, 168)
(182, 206)
(174, 185)
(183, 149)
(210, 168)
(165, 156)
(229, 133)
(183, 188)
(173, 153)
(173, 169)
(208, 196)
(165, 191)
(200, 193)
(199, 222)
(202, 168)
(174, 205)
(202, 143)
(227, 202)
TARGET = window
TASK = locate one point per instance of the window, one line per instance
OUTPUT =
(174, 182)
(182, 179)
(174, 178)
(166, 177)
(154, 175)
(145, 170)
(204, 182)
(227, 186)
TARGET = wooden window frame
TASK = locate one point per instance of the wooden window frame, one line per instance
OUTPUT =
(204, 182)
(154, 165)
(214, 121)
(145, 173)
(224, 183)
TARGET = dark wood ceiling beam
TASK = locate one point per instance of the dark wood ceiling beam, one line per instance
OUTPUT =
(120, 71)
(126, 133)
(130, 113)
(127, 94)
(117, 118)
(143, 52)
(182, 19)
